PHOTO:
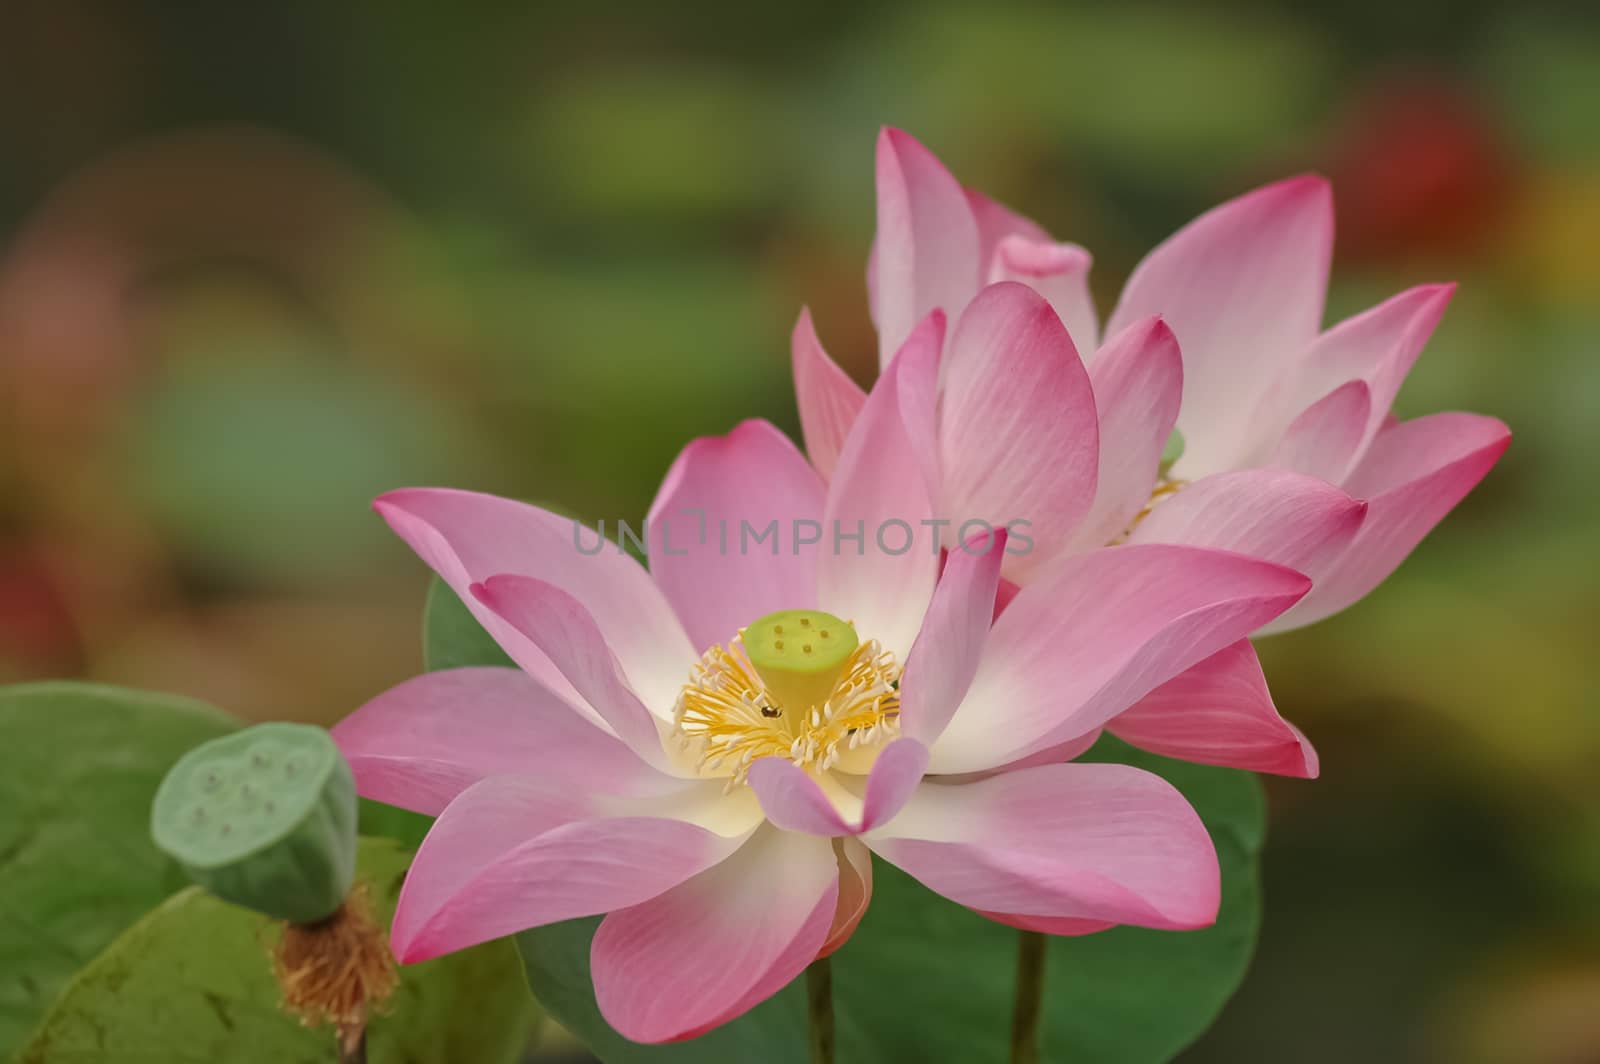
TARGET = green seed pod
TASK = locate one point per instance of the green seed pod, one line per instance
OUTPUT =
(799, 655)
(264, 818)
(1172, 451)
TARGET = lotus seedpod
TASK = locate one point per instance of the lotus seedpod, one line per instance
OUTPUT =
(799, 654)
(264, 818)
(1172, 451)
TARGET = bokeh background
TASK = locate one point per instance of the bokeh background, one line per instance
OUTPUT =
(259, 263)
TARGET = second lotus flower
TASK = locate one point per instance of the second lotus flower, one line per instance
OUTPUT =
(1213, 415)
(1287, 430)
(708, 751)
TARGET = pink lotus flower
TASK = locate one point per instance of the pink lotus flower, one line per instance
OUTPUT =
(662, 759)
(1289, 453)
(1264, 392)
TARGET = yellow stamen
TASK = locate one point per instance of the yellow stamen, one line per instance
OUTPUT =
(732, 717)
(1164, 489)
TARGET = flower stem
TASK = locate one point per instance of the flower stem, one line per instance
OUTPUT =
(1030, 994)
(819, 1008)
(355, 1052)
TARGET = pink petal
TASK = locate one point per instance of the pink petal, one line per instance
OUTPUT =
(1242, 287)
(422, 743)
(1074, 650)
(466, 537)
(829, 400)
(916, 370)
(1048, 925)
(882, 581)
(736, 511)
(709, 950)
(1059, 754)
(996, 222)
(1018, 435)
(1412, 451)
(1138, 385)
(1272, 514)
(944, 658)
(795, 800)
(1069, 750)
(1059, 273)
(1004, 594)
(1327, 437)
(1079, 842)
(567, 634)
(513, 852)
(1219, 713)
(1378, 346)
(925, 255)
(855, 892)
(1414, 474)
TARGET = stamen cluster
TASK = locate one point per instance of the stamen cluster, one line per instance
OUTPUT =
(730, 715)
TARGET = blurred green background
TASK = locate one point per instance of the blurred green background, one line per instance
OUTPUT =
(260, 263)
